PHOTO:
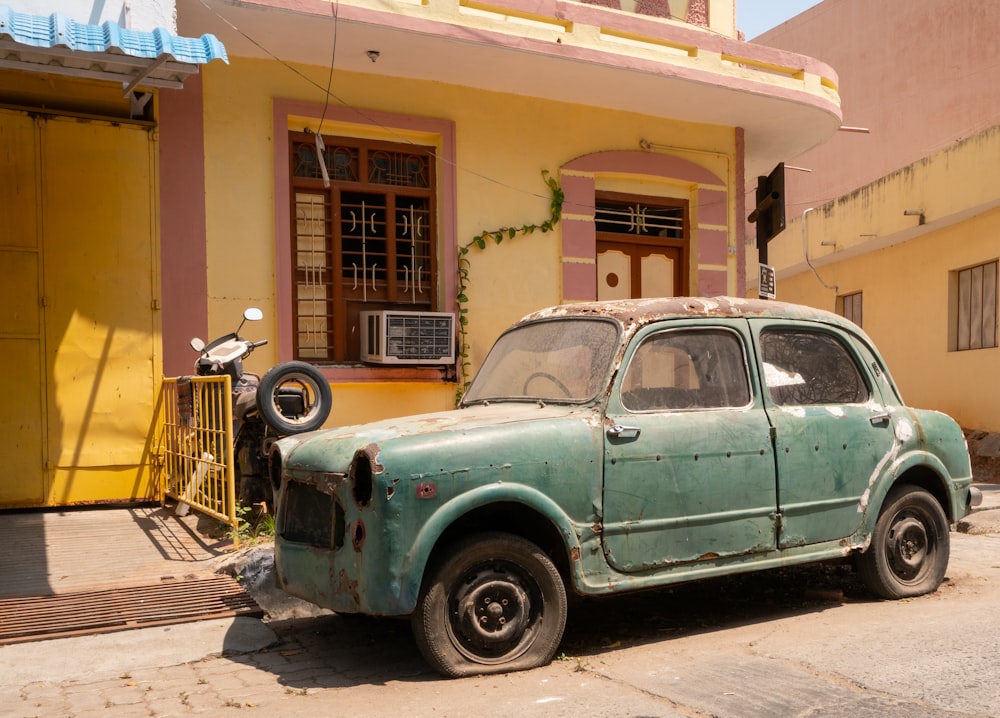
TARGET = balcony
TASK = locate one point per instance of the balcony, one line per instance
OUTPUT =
(552, 49)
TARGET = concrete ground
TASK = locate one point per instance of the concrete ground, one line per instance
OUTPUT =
(799, 642)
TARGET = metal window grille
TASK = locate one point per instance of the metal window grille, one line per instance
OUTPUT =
(364, 242)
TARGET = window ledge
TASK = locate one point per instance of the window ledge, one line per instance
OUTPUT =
(369, 373)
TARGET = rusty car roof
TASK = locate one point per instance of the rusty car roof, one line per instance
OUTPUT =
(641, 311)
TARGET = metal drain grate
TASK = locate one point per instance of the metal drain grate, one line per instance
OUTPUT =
(103, 611)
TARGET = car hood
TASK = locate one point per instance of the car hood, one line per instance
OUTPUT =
(333, 449)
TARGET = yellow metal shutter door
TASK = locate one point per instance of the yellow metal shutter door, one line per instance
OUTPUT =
(22, 421)
(101, 259)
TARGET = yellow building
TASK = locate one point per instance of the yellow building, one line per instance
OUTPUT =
(626, 131)
(627, 112)
(896, 227)
(80, 339)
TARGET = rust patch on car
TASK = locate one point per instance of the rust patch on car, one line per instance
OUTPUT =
(358, 534)
(349, 587)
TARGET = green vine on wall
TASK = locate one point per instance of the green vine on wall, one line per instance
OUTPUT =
(464, 264)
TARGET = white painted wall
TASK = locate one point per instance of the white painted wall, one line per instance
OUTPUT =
(133, 14)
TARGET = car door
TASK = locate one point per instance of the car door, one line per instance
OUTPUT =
(688, 461)
(832, 432)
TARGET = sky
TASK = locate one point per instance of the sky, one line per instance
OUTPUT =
(756, 16)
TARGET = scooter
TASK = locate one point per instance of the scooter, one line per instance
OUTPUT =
(291, 398)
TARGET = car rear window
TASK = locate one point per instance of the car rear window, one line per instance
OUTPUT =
(810, 367)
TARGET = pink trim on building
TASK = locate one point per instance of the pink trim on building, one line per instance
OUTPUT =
(580, 235)
(599, 17)
(697, 13)
(712, 282)
(183, 275)
(654, 8)
(713, 246)
(579, 281)
(447, 217)
(713, 207)
(741, 213)
(578, 238)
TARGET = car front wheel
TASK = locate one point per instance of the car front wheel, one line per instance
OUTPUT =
(495, 603)
(910, 546)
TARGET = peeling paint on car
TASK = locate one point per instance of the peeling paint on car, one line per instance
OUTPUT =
(626, 498)
(904, 430)
(798, 411)
(878, 473)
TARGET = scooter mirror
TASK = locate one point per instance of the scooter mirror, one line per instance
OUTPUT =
(197, 344)
(253, 314)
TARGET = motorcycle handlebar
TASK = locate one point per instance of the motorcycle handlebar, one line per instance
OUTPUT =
(261, 343)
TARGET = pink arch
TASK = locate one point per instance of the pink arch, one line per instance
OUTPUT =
(579, 246)
(643, 163)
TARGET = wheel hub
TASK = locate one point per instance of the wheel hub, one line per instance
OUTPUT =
(494, 612)
(908, 547)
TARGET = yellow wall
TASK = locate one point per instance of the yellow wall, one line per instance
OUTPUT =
(503, 143)
(864, 242)
(78, 330)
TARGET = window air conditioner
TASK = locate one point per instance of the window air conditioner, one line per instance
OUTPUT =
(390, 337)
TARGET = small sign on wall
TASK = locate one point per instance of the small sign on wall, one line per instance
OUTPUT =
(766, 288)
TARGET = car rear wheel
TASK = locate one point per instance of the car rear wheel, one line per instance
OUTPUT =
(495, 603)
(910, 546)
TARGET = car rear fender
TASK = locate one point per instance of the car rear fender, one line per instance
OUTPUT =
(919, 468)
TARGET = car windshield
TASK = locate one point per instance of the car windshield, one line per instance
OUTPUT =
(558, 360)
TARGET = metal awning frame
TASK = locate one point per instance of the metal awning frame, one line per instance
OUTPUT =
(59, 45)
(160, 72)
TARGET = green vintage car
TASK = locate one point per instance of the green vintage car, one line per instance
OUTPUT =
(616, 446)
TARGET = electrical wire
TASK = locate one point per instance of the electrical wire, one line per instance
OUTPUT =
(329, 94)
(335, 9)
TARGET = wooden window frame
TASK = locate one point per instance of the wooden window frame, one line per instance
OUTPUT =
(851, 307)
(974, 303)
(389, 286)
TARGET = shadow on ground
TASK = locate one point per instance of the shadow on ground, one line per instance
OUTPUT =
(334, 650)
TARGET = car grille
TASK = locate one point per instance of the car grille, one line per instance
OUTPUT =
(312, 517)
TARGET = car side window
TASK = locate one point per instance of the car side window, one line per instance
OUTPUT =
(687, 369)
(810, 367)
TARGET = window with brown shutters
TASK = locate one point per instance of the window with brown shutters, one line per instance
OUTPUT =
(363, 238)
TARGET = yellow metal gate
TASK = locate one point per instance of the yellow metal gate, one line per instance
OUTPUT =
(196, 446)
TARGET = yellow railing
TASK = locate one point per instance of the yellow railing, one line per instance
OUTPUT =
(197, 447)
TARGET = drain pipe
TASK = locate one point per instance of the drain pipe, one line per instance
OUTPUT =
(805, 253)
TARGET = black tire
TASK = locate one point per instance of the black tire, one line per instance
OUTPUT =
(495, 603)
(298, 375)
(910, 546)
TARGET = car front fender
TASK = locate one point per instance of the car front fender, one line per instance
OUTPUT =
(411, 570)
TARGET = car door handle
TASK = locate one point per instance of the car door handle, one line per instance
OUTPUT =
(623, 432)
(879, 419)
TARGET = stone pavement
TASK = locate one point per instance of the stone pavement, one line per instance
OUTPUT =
(325, 665)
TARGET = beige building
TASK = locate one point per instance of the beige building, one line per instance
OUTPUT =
(899, 228)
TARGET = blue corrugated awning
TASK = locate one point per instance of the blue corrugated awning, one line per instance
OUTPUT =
(57, 44)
